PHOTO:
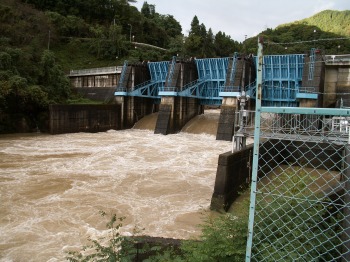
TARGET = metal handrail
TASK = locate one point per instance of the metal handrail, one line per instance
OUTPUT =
(332, 59)
(95, 71)
(122, 75)
(234, 65)
(312, 64)
(171, 71)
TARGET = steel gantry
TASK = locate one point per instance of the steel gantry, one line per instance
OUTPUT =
(281, 80)
(211, 78)
(282, 77)
(158, 72)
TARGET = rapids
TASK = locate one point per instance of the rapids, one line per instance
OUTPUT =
(53, 187)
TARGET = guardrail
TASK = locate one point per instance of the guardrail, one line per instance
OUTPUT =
(337, 59)
(96, 71)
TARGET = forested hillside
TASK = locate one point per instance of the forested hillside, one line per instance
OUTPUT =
(41, 40)
(328, 30)
(337, 22)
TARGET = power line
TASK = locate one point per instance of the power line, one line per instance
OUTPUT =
(308, 41)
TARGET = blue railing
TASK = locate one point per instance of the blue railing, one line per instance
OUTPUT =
(171, 71)
(282, 76)
(120, 87)
(233, 68)
(312, 64)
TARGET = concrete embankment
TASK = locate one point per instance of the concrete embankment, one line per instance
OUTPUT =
(84, 118)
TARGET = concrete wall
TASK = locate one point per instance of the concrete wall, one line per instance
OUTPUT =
(227, 119)
(244, 75)
(233, 171)
(330, 87)
(147, 246)
(95, 87)
(105, 94)
(134, 108)
(336, 86)
(232, 176)
(94, 80)
(175, 112)
(316, 82)
(84, 118)
(343, 86)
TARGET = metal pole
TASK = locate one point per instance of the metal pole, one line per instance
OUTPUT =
(346, 210)
(48, 42)
(130, 31)
(239, 137)
(255, 152)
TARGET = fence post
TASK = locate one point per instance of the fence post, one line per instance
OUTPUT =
(346, 211)
(255, 151)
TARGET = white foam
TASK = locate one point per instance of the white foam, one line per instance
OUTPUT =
(53, 192)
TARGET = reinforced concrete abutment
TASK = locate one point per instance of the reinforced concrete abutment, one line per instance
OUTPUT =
(310, 94)
(175, 112)
(134, 108)
(227, 119)
(234, 172)
(237, 79)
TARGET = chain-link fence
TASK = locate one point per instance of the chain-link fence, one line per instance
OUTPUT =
(300, 186)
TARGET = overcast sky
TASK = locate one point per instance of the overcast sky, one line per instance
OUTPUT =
(238, 18)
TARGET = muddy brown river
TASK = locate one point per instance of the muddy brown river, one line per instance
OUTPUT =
(53, 187)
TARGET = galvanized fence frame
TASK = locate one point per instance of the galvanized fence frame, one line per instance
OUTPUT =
(300, 189)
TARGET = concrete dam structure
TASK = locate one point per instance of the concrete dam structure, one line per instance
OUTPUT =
(180, 90)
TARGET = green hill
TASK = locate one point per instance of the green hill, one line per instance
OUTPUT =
(332, 21)
(328, 31)
(40, 41)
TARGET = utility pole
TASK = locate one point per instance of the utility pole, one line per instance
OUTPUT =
(130, 31)
(48, 42)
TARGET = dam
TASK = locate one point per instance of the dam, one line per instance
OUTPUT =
(180, 89)
(285, 85)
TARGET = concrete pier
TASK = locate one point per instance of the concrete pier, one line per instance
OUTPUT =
(236, 82)
(175, 111)
(133, 108)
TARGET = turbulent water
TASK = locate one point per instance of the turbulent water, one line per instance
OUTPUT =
(53, 187)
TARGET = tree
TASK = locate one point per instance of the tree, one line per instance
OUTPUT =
(208, 49)
(145, 10)
(194, 41)
(195, 27)
(53, 79)
(224, 45)
(171, 26)
(176, 46)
